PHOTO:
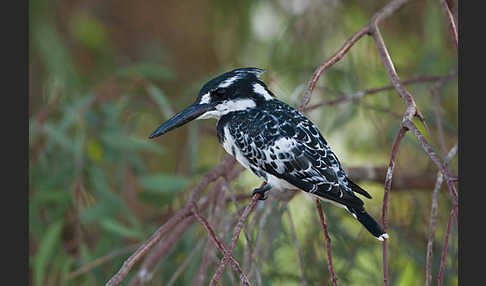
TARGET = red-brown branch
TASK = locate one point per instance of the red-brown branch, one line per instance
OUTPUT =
(410, 112)
(433, 156)
(388, 181)
(221, 247)
(379, 16)
(452, 23)
(178, 217)
(236, 233)
(328, 243)
(146, 270)
(331, 61)
(361, 94)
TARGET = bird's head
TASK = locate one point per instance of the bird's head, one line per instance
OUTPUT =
(236, 90)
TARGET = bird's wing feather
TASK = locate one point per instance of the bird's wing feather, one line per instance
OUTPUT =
(282, 142)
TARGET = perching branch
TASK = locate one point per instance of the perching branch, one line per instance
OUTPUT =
(221, 247)
(236, 234)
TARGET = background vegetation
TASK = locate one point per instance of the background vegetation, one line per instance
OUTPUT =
(104, 74)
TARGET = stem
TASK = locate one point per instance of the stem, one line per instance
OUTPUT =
(328, 243)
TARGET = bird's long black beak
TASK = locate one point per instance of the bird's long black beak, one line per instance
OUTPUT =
(181, 118)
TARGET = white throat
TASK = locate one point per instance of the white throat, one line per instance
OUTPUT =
(228, 106)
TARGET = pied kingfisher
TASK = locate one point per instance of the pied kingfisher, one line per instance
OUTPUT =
(273, 140)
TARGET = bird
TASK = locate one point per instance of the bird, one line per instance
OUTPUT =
(274, 141)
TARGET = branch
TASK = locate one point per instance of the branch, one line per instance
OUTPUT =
(411, 108)
(297, 247)
(100, 261)
(446, 243)
(452, 24)
(145, 272)
(388, 181)
(331, 61)
(433, 218)
(384, 13)
(220, 246)
(433, 156)
(184, 264)
(236, 234)
(402, 179)
(179, 216)
(328, 243)
(256, 250)
(360, 94)
(218, 211)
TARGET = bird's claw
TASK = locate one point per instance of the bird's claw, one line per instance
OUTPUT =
(262, 191)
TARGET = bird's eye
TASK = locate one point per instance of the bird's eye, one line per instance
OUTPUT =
(220, 91)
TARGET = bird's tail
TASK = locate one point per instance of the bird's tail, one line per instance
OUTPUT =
(368, 222)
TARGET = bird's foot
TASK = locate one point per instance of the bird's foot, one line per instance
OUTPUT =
(262, 191)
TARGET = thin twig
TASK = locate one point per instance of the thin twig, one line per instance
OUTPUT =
(220, 246)
(297, 248)
(433, 156)
(179, 216)
(388, 181)
(258, 241)
(446, 243)
(452, 23)
(433, 219)
(236, 234)
(146, 271)
(379, 16)
(217, 211)
(246, 231)
(328, 243)
(100, 261)
(331, 61)
(183, 265)
(361, 94)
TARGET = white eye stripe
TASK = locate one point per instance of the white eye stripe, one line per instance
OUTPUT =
(235, 105)
(227, 107)
(229, 81)
(258, 88)
(205, 98)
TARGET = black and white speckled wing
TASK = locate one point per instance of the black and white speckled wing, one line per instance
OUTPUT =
(276, 140)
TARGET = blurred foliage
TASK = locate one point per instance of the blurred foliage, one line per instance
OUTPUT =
(104, 74)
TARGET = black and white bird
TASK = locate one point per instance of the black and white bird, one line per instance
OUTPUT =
(273, 140)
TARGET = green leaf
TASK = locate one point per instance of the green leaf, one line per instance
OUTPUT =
(94, 150)
(146, 70)
(119, 229)
(163, 183)
(58, 137)
(89, 31)
(109, 203)
(118, 140)
(50, 242)
(52, 51)
(159, 96)
(421, 128)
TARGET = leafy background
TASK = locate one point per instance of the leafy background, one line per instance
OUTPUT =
(104, 74)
